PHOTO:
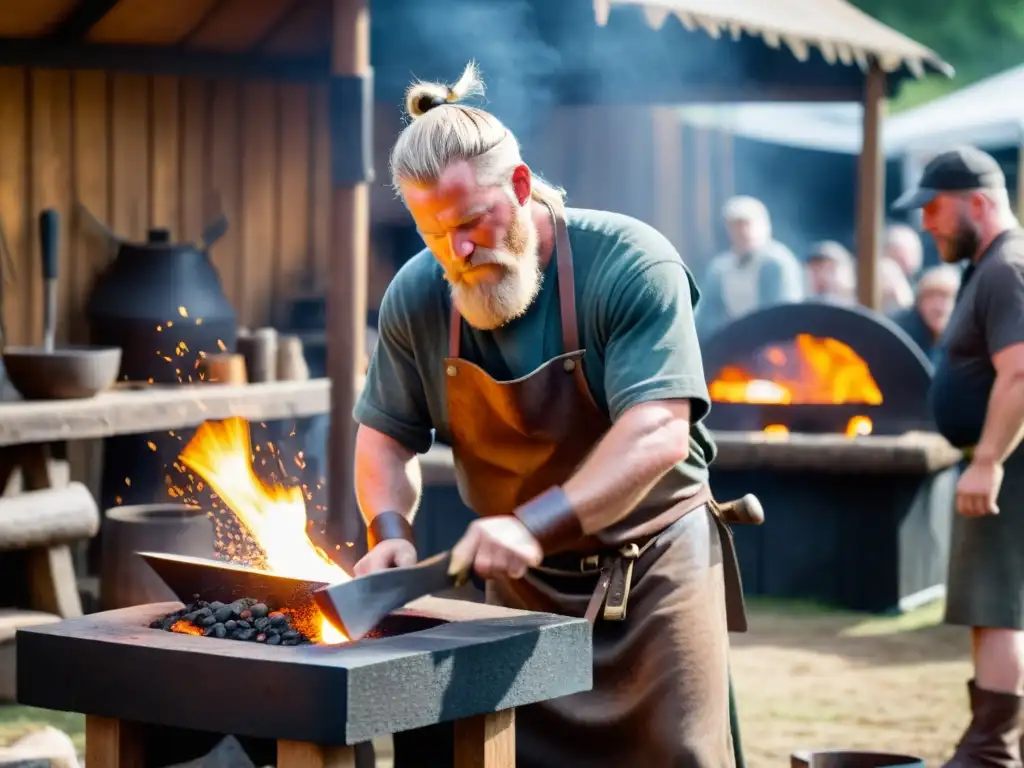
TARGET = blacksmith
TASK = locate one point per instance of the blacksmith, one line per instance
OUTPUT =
(555, 350)
(977, 398)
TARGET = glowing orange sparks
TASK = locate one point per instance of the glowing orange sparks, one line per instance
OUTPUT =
(273, 515)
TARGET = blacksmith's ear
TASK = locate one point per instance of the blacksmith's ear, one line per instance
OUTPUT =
(522, 183)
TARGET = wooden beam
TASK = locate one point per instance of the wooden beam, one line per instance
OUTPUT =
(871, 190)
(83, 17)
(43, 53)
(159, 408)
(347, 272)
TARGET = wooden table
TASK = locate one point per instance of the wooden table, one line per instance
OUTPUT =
(27, 429)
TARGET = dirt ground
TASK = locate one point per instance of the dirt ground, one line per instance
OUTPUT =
(811, 679)
(805, 678)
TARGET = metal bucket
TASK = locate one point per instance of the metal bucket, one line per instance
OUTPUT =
(840, 758)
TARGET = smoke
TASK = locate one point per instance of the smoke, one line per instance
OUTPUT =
(434, 39)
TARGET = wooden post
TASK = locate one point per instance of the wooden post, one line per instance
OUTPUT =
(871, 190)
(112, 743)
(486, 741)
(301, 754)
(347, 270)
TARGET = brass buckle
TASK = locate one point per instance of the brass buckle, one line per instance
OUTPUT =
(590, 564)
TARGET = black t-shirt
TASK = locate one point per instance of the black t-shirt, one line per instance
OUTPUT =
(989, 317)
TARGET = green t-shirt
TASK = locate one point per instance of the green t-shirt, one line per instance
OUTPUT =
(634, 304)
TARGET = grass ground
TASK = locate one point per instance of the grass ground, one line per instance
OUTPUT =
(805, 678)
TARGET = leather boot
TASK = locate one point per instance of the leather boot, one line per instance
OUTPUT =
(993, 739)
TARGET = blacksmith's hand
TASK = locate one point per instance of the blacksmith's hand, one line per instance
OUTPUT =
(390, 553)
(496, 547)
(978, 487)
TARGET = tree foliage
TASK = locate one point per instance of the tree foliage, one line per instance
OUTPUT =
(978, 37)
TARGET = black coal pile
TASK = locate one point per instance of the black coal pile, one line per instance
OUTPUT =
(247, 620)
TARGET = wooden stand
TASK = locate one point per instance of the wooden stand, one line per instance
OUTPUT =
(484, 741)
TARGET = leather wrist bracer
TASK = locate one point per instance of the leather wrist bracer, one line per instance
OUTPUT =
(389, 525)
(551, 519)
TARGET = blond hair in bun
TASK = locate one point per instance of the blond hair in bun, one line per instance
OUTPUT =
(421, 97)
(435, 138)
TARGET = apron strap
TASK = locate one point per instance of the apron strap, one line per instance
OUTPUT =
(454, 332)
(566, 294)
(566, 285)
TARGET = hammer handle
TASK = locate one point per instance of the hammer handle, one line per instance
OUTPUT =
(744, 511)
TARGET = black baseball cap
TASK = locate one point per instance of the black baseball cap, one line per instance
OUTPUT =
(956, 170)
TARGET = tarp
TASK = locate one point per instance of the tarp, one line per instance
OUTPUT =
(989, 114)
(826, 126)
(842, 32)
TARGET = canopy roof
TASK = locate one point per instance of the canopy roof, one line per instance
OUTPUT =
(839, 30)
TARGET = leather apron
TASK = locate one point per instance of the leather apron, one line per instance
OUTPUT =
(661, 683)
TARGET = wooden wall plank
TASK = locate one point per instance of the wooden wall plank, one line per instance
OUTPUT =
(50, 171)
(320, 187)
(224, 182)
(164, 168)
(260, 188)
(293, 195)
(16, 299)
(138, 152)
(129, 148)
(90, 252)
(192, 193)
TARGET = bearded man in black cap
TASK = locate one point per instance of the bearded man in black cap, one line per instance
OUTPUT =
(977, 399)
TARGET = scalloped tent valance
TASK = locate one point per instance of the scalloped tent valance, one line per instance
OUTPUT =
(841, 32)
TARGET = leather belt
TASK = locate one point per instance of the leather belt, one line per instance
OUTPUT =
(614, 569)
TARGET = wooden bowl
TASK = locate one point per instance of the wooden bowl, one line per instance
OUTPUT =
(65, 373)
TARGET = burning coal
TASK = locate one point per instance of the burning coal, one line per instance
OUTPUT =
(246, 620)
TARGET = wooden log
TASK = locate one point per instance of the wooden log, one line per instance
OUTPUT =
(48, 518)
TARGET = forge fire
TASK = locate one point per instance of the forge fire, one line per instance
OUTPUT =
(245, 620)
(262, 525)
(809, 371)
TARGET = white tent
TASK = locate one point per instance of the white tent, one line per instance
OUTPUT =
(829, 126)
(989, 114)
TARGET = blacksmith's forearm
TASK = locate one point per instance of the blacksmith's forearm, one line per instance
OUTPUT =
(635, 454)
(388, 476)
(1004, 420)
